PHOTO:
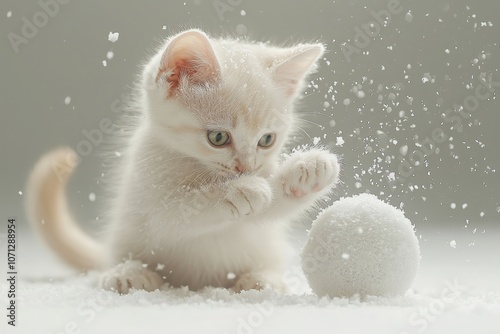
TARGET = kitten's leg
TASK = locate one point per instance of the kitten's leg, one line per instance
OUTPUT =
(309, 173)
(259, 280)
(247, 195)
(302, 179)
(130, 275)
(241, 197)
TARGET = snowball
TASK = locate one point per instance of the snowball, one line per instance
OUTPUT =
(382, 259)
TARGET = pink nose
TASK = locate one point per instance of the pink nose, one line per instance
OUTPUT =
(240, 168)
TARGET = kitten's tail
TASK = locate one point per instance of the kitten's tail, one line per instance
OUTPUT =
(48, 211)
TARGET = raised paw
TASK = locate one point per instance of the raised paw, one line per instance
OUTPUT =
(259, 281)
(309, 172)
(248, 195)
(130, 275)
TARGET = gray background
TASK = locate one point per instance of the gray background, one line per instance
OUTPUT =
(65, 57)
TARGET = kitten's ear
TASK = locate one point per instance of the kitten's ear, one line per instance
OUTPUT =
(189, 56)
(291, 66)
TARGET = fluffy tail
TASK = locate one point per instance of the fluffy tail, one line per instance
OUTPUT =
(48, 211)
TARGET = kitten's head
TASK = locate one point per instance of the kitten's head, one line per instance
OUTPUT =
(226, 103)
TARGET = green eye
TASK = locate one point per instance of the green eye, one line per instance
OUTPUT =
(267, 140)
(218, 138)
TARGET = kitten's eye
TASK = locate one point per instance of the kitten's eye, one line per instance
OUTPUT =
(218, 138)
(267, 140)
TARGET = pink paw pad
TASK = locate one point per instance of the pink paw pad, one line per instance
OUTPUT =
(316, 188)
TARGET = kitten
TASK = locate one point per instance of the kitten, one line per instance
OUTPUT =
(202, 198)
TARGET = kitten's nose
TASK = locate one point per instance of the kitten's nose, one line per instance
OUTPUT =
(240, 168)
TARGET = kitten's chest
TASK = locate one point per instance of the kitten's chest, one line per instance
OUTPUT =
(211, 260)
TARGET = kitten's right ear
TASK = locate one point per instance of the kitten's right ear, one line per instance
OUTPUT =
(188, 60)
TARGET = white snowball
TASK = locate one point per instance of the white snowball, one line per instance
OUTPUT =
(382, 248)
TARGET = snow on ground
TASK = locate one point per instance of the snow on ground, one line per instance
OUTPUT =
(455, 292)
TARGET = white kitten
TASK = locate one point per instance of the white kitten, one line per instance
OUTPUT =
(201, 199)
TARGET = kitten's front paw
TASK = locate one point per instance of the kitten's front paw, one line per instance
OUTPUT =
(248, 195)
(130, 275)
(309, 172)
(259, 281)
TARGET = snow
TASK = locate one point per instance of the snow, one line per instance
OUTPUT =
(449, 296)
(241, 29)
(67, 100)
(92, 197)
(339, 261)
(340, 141)
(409, 16)
(9, 14)
(113, 36)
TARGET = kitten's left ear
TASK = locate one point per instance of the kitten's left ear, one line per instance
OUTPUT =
(293, 65)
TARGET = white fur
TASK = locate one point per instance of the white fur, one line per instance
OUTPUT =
(183, 214)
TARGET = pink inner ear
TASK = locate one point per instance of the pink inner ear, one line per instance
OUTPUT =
(189, 55)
